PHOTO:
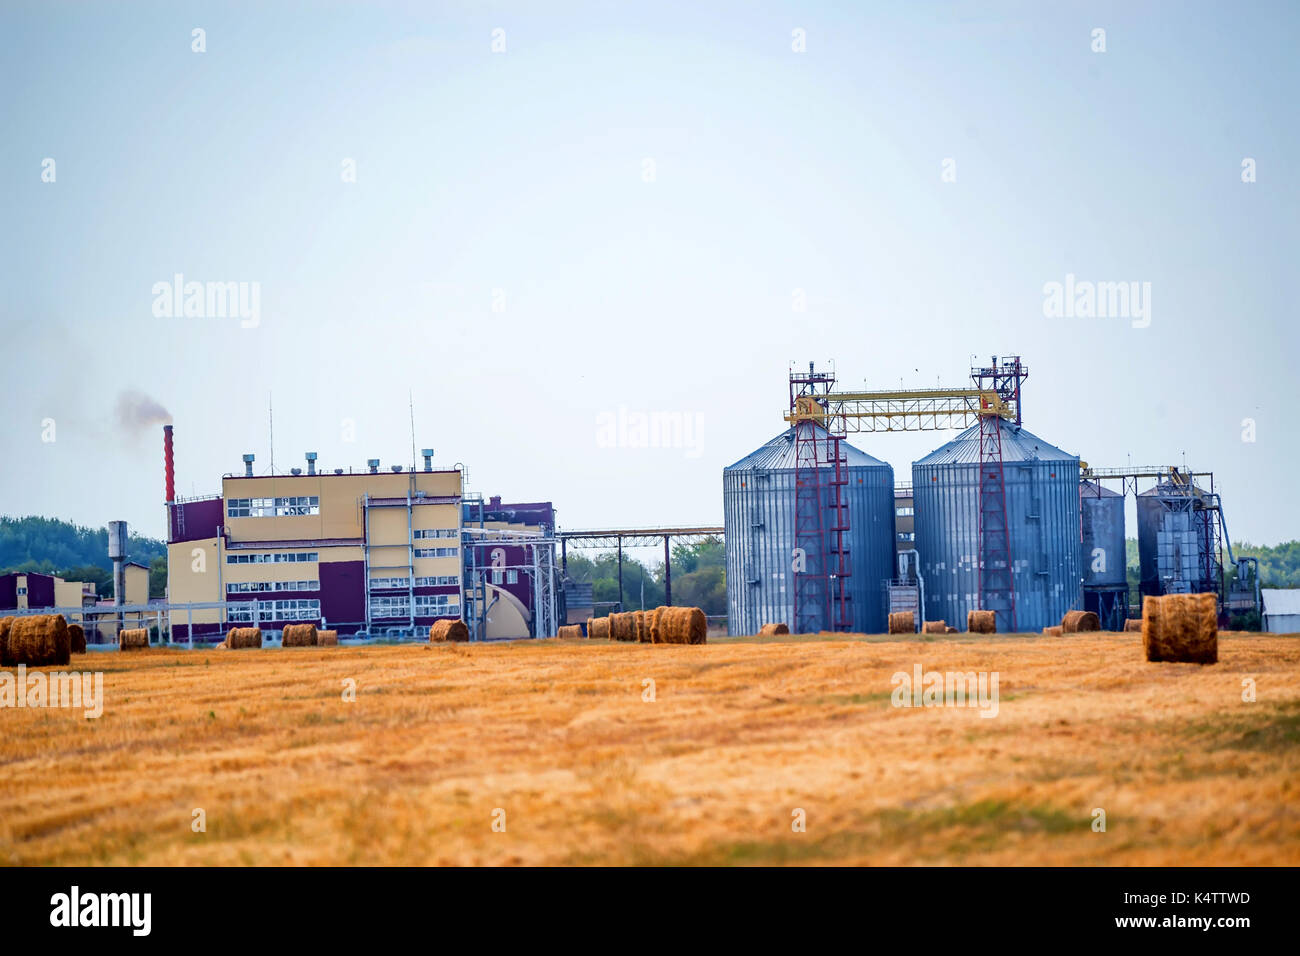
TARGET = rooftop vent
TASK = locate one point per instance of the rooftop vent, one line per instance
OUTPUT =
(374, 465)
(311, 463)
(295, 471)
(338, 471)
(248, 465)
(428, 458)
(395, 468)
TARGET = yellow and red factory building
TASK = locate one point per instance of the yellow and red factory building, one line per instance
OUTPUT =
(370, 551)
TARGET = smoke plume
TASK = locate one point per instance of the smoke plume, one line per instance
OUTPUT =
(137, 412)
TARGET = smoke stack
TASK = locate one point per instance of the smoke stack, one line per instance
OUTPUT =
(169, 466)
(248, 465)
(494, 501)
(311, 463)
(374, 465)
(117, 535)
(428, 458)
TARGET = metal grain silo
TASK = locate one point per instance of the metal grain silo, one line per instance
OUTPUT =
(1174, 539)
(1042, 503)
(1103, 556)
(758, 500)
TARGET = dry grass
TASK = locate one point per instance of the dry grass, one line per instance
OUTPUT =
(742, 732)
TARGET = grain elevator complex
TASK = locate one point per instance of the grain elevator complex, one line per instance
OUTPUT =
(819, 535)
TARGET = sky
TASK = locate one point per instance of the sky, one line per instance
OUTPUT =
(534, 221)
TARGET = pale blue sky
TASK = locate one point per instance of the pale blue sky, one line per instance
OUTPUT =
(523, 172)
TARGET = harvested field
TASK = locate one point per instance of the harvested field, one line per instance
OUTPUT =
(742, 732)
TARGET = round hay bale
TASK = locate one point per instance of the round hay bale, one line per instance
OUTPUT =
(239, 638)
(5, 624)
(298, 635)
(622, 627)
(1133, 624)
(934, 627)
(132, 638)
(1076, 621)
(683, 625)
(1181, 628)
(902, 622)
(643, 626)
(448, 630)
(656, 622)
(598, 628)
(569, 631)
(1053, 631)
(327, 638)
(39, 640)
(772, 630)
(981, 622)
(77, 638)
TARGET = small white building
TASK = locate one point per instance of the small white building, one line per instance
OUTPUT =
(1281, 610)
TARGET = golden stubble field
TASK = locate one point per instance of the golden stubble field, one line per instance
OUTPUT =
(741, 733)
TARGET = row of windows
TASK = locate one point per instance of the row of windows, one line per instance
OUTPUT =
(436, 552)
(273, 507)
(511, 577)
(905, 511)
(440, 580)
(297, 610)
(247, 587)
(907, 536)
(282, 558)
(381, 584)
(426, 605)
(437, 533)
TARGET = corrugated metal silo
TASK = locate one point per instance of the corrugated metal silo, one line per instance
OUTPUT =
(1042, 495)
(758, 500)
(1103, 556)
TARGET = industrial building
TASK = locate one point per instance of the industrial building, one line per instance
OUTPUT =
(378, 552)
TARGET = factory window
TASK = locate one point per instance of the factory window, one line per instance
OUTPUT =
(272, 507)
(905, 512)
(436, 581)
(436, 552)
(436, 605)
(397, 606)
(271, 558)
(245, 587)
(22, 590)
(268, 611)
(907, 536)
(437, 533)
(381, 584)
(512, 577)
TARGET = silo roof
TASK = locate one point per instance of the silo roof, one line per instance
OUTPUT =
(779, 454)
(1018, 444)
(1091, 489)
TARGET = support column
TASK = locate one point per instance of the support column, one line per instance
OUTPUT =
(620, 573)
(668, 575)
